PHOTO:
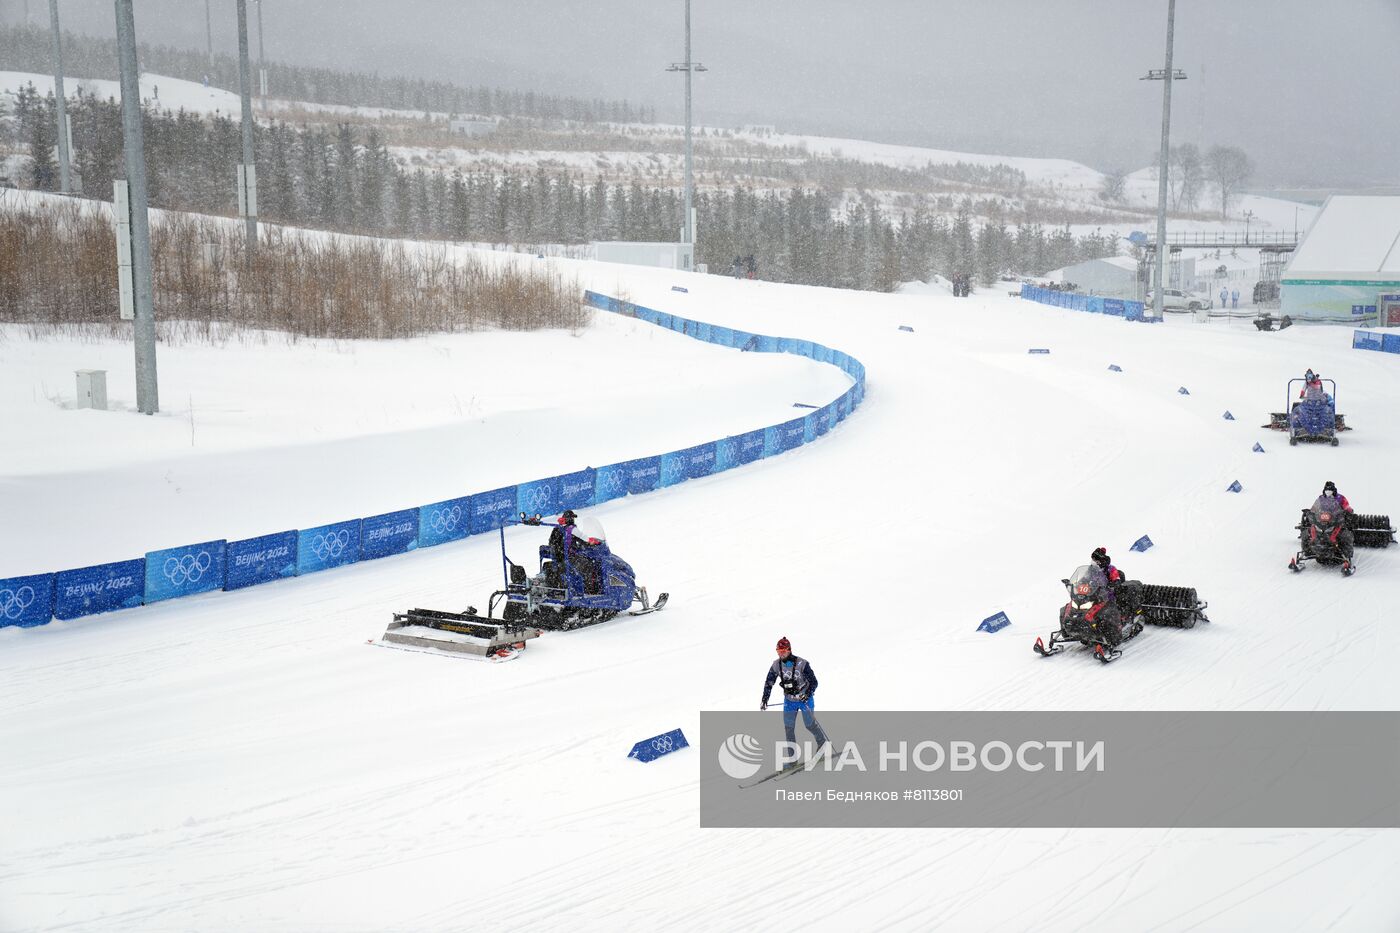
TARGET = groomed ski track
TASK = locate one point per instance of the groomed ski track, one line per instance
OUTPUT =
(246, 761)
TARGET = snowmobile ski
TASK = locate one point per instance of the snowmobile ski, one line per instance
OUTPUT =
(1045, 652)
(654, 607)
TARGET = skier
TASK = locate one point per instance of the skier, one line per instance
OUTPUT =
(1224, 296)
(736, 268)
(1234, 298)
(751, 265)
(799, 683)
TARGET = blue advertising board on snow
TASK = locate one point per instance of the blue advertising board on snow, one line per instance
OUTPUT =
(699, 460)
(643, 474)
(26, 601)
(609, 482)
(672, 468)
(103, 588)
(390, 533)
(491, 510)
(658, 745)
(576, 490)
(184, 571)
(259, 560)
(538, 497)
(328, 546)
(444, 521)
(726, 453)
(751, 446)
(994, 623)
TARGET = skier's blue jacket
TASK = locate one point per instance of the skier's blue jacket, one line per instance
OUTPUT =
(798, 680)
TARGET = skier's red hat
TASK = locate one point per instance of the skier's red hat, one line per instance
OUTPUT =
(784, 644)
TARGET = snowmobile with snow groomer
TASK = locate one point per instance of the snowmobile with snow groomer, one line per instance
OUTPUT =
(580, 582)
(1101, 616)
(1328, 535)
(1310, 418)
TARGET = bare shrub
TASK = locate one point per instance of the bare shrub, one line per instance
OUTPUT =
(58, 270)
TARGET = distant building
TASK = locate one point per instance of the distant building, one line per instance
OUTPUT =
(1114, 277)
(473, 128)
(1348, 264)
(664, 255)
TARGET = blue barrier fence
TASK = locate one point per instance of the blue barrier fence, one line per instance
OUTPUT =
(230, 565)
(1115, 307)
(1365, 340)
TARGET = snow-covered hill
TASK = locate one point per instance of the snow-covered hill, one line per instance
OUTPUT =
(244, 759)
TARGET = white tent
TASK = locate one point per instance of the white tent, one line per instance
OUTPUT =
(1348, 264)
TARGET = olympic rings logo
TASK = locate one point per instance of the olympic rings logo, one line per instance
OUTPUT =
(446, 519)
(187, 569)
(328, 547)
(538, 499)
(614, 482)
(14, 602)
(663, 744)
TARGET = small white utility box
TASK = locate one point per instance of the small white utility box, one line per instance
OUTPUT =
(92, 388)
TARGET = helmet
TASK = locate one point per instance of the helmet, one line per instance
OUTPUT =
(567, 516)
(1309, 375)
(1329, 488)
(1100, 557)
(784, 644)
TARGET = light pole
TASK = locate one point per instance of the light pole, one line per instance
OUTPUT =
(688, 66)
(64, 177)
(262, 65)
(209, 33)
(1167, 75)
(144, 323)
(248, 179)
(1247, 216)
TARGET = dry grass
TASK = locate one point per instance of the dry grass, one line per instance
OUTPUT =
(58, 271)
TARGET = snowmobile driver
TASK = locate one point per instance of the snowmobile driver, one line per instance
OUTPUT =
(1312, 388)
(1105, 563)
(1333, 501)
(799, 683)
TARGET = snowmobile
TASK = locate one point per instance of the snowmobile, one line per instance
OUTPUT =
(590, 585)
(1323, 534)
(1101, 616)
(1309, 419)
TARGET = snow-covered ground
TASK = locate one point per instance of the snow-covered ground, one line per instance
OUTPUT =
(244, 760)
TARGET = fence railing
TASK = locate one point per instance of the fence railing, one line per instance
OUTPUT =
(1115, 307)
(221, 564)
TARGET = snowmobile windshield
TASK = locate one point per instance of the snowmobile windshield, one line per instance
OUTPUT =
(1326, 511)
(587, 528)
(1087, 583)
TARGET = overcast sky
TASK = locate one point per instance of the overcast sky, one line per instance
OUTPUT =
(1310, 89)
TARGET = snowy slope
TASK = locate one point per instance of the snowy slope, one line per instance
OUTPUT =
(245, 761)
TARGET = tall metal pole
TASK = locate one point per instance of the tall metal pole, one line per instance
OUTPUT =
(688, 66)
(249, 183)
(65, 181)
(209, 33)
(262, 65)
(144, 325)
(689, 150)
(1162, 168)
